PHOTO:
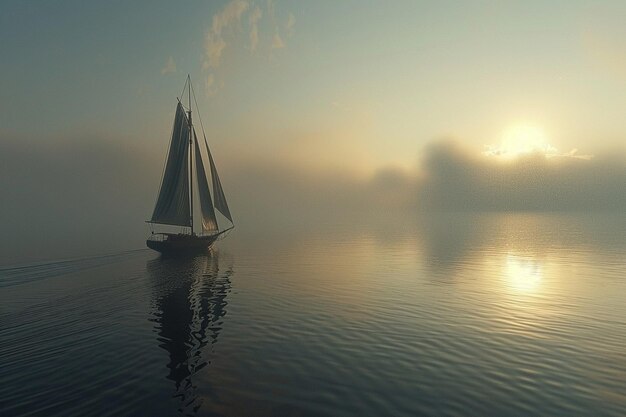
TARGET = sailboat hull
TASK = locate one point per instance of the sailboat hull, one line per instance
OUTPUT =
(181, 244)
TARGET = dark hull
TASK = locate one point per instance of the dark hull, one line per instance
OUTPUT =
(182, 244)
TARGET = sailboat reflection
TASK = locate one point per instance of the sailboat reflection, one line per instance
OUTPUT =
(188, 309)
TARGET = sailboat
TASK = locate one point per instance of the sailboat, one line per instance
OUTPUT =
(174, 208)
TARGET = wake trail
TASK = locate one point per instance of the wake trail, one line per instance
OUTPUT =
(26, 273)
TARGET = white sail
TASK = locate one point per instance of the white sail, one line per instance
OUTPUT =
(172, 206)
(218, 193)
(209, 222)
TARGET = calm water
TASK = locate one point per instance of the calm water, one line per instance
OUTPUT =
(503, 315)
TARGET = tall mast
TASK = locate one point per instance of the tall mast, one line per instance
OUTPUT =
(190, 156)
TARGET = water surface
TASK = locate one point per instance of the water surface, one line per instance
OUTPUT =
(503, 315)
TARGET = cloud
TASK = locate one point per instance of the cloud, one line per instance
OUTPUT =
(574, 154)
(214, 46)
(214, 42)
(547, 150)
(271, 10)
(277, 41)
(226, 28)
(210, 86)
(170, 67)
(291, 22)
(255, 16)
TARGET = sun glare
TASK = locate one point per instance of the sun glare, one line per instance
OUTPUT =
(521, 140)
(523, 275)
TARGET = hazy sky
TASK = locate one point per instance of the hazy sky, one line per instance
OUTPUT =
(312, 105)
(357, 83)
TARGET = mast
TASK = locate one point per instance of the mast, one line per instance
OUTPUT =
(190, 156)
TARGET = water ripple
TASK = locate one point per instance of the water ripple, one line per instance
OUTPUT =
(508, 321)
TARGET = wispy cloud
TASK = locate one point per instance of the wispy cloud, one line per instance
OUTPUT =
(226, 29)
(291, 23)
(270, 10)
(255, 16)
(574, 154)
(170, 67)
(277, 41)
(210, 85)
(547, 151)
(214, 41)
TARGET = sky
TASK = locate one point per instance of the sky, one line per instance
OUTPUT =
(313, 105)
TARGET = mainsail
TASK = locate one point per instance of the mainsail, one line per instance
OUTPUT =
(172, 205)
(209, 222)
(218, 192)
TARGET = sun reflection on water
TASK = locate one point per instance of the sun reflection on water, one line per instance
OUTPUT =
(523, 275)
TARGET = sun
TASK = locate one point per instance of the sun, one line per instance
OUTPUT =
(522, 139)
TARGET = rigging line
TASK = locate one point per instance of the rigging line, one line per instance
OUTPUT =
(188, 121)
(191, 135)
(198, 111)
(200, 117)
(206, 143)
(182, 93)
(201, 124)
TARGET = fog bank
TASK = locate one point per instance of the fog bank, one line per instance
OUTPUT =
(89, 195)
(452, 178)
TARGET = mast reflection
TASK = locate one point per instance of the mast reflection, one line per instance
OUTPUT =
(188, 309)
